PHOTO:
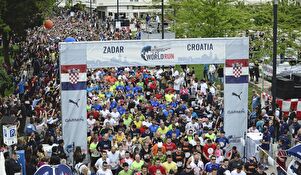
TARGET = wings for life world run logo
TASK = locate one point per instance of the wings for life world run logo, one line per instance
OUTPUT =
(155, 53)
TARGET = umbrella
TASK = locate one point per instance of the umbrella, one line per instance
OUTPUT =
(69, 39)
(2, 164)
(295, 151)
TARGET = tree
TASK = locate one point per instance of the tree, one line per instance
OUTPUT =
(6, 82)
(208, 18)
(289, 31)
(222, 18)
(18, 16)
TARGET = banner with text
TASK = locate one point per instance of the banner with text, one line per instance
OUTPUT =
(74, 100)
(158, 52)
(236, 97)
(151, 53)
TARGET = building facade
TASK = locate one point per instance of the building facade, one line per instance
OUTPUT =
(128, 9)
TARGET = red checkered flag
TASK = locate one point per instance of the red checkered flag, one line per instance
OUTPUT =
(73, 75)
(237, 69)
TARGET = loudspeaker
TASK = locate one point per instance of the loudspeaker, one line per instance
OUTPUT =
(285, 83)
(125, 23)
(287, 76)
(297, 79)
(284, 88)
(284, 94)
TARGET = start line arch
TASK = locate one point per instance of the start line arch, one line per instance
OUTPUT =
(76, 57)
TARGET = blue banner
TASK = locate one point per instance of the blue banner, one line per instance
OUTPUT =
(44, 170)
(21, 160)
(63, 169)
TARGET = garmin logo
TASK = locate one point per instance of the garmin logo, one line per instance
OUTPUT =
(242, 111)
(74, 120)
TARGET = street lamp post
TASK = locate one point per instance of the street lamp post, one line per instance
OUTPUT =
(91, 8)
(274, 81)
(162, 13)
(117, 10)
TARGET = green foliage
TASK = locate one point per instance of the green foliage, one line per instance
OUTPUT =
(208, 18)
(68, 4)
(16, 17)
(79, 6)
(225, 18)
(6, 81)
(22, 15)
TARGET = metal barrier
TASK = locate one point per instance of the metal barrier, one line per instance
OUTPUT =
(271, 161)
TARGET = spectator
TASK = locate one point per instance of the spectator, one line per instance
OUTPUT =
(208, 150)
(104, 169)
(187, 171)
(235, 163)
(260, 170)
(251, 165)
(210, 166)
(224, 166)
(137, 164)
(265, 147)
(126, 170)
(80, 166)
(100, 161)
(11, 164)
(169, 165)
(157, 166)
(281, 159)
(238, 171)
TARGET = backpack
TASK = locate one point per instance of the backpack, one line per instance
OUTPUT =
(77, 169)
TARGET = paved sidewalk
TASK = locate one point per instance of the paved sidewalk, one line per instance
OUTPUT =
(263, 85)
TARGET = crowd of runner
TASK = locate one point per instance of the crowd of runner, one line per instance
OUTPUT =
(141, 120)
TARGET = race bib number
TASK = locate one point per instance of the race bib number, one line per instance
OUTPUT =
(222, 144)
(146, 156)
(187, 155)
(210, 151)
(179, 164)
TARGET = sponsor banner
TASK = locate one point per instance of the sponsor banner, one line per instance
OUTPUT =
(63, 169)
(236, 109)
(74, 117)
(44, 170)
(74, 56)
(21, 160)
(60, 169)
(156, 52)
(73, 70)
(236, 97)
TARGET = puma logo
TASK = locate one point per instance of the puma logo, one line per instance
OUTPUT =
(73, 102)
(238, 96)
